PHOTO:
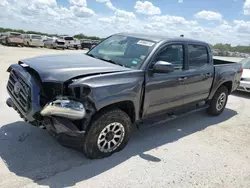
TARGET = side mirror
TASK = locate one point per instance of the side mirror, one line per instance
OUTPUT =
(163, 67)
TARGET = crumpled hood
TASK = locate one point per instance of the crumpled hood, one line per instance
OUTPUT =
(60, 68)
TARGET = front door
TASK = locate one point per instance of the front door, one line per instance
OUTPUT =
(164, 91)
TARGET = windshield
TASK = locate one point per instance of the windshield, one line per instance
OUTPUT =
(123, 50)
(68, 38)
(36, 37)
(246, 63)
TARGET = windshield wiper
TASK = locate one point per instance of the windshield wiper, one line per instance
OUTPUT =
(91, 55)
(111, 61)
(107, 60)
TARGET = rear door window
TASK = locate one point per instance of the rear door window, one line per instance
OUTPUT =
(198, 55)
(36, 37)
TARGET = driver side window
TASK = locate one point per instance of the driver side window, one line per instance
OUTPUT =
(172, 54)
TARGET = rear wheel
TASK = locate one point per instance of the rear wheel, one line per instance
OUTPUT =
(109, 133)
(218, 103)
(7, 42)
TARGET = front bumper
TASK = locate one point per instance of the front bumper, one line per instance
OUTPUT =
(59, 45)
(73, 45)
(244, 86)
(37, 44)
(63, 129)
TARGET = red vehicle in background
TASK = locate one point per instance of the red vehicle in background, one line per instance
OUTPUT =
(12, 38)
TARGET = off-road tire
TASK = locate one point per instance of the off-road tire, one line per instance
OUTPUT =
(212, 110)
(100, 121)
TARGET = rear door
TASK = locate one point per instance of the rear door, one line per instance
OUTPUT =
(200, 72)
(164, 91)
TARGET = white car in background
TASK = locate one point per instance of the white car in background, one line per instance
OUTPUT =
(54, 43)
(245, 78)
(33, 40)
(71, 42)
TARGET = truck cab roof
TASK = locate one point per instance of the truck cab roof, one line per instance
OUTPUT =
(160, 38)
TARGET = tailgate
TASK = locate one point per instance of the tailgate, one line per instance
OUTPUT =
(16, 39)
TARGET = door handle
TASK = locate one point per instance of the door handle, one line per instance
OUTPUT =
(206, 74)
(182, 78)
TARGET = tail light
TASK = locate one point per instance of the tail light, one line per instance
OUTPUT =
(241, 72)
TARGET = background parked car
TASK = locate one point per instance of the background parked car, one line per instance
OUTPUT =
(71, 42)
(89, 43)
(2, 35)
(54, 43)
(44, 37)
(245, 78)
(12, 38)
(33, 40)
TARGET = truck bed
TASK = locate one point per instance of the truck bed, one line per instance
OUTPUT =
(225, 71)
(222, 62)
(226, 60)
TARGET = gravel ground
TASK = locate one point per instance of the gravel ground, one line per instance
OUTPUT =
(193, 151)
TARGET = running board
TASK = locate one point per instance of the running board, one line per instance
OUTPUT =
(163, 118)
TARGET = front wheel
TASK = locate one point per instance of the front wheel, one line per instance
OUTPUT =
(218, 103)
(109, 133)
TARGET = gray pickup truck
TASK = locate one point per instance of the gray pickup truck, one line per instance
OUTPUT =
(92, 101)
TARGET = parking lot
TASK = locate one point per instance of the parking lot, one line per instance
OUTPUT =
(193, 151)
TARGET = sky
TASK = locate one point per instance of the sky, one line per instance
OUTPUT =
(213, 21)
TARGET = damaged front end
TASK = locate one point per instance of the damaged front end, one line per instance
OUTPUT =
(65, 118)
(63, 110)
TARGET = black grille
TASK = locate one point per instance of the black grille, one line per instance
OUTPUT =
(60, 43)
(22, 92)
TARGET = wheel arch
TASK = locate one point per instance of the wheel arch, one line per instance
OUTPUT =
(127, 106)
(228, 84)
